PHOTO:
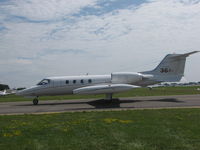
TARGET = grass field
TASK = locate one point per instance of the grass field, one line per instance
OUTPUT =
(132, 93)
(165, 129)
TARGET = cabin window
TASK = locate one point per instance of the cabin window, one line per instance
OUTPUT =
(82, 81)
(44, 82)
(89, 81)
(74, 81)
(67, 82)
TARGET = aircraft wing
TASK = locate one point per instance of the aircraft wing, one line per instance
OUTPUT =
(104, 89)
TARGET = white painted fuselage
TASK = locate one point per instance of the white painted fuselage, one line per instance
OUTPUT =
(64, 85)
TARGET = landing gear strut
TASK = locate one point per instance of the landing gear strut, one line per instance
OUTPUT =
(35, 101)
(109, 97)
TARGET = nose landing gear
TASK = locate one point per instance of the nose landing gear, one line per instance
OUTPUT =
(35, 101)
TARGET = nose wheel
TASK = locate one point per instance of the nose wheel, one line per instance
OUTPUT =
(35, 101)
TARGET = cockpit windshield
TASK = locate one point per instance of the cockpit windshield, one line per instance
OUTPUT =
(44, 82)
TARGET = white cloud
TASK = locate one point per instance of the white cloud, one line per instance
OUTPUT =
(131, 39)
(45, 9)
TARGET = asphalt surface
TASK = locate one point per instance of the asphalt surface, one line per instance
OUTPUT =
(100, 104)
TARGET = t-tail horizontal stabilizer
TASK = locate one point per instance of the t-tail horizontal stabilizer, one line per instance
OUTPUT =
(171, 68)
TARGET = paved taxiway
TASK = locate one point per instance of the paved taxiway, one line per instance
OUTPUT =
(92, 104)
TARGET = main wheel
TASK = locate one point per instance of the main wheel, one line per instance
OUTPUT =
(35, 101)
(109, 96)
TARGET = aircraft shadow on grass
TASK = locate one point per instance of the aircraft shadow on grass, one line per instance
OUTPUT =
(103, 104)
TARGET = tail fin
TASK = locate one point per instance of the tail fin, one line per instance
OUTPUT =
(171, 68)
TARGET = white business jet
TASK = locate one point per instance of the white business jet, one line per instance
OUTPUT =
(171, 69)
(4, 93)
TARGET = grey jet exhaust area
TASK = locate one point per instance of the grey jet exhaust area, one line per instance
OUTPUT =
(53, 106)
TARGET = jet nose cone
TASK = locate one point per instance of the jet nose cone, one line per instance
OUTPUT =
(20, 93)
(27, 92)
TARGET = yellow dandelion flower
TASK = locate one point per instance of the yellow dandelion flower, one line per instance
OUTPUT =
(125, 121)
(111, 120)
(7, 135)
(17, 132)
(65, 129)
(23, 123)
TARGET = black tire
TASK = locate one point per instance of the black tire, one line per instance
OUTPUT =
(35, 101)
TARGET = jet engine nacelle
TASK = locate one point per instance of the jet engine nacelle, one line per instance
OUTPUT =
(126, 77)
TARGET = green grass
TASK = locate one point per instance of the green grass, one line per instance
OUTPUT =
(165, 129)
(132, 93)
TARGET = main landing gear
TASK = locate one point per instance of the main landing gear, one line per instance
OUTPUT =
(109, 96)
(35, 101)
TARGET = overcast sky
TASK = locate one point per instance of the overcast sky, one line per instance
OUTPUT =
(40, 38)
